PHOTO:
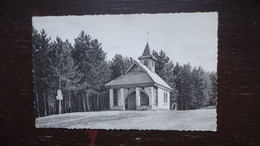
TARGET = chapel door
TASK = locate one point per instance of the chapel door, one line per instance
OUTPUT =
(130, 103)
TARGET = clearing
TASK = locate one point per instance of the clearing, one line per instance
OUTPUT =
(203, 119)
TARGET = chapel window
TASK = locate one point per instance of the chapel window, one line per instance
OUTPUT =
(165, 97)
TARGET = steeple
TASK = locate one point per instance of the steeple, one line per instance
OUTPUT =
(147, 59)
(146, 50)
(147, 53)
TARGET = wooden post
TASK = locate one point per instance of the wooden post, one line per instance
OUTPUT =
(59, 98)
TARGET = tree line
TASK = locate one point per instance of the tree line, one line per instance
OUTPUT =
(81, 70)
(193, 88)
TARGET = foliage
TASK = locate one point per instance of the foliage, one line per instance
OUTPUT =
(119, 65)
(193, 88)
(81, 71)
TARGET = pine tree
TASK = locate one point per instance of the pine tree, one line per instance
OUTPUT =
(195, 88)
(90, 58)
(119, 65)
(64, 74)
(41, 46)
(176, 73)
(213, 95)
(184, 86)
(207, 90)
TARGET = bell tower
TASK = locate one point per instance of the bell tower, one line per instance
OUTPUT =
(147, 59)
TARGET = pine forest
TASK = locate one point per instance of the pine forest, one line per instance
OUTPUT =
(81, 71)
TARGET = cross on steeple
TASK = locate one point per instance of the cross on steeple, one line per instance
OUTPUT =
(147, 37)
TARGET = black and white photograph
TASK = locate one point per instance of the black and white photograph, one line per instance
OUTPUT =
(126, 71)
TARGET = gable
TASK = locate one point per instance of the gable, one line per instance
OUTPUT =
(135, 68)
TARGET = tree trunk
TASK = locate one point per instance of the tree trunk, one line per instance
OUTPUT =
(44, 101)
(84, 103)
(88, 105)
(64, 103)
(73, 102)
(53, 107)
(78, 101)
(69, 106)
(98, 103)
(37, 108)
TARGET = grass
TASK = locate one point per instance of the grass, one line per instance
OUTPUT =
(203, 119)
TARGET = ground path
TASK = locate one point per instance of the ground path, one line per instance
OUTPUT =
(204, 119)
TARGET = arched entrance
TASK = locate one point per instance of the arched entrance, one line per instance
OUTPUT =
(130, 102)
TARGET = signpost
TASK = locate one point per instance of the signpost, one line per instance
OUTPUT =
(59, 98)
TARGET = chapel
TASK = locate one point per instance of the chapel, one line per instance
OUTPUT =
(139, 88)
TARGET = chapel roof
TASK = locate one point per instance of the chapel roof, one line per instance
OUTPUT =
(143, 77)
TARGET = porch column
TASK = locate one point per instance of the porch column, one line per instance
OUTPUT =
(151, 99)
(138, 98)
(122, 97)
(111, 98)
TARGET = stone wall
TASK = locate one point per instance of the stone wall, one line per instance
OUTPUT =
(161, 103)
(119, 108)
(143, 108)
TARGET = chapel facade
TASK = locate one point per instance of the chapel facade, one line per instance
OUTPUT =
(140, 88)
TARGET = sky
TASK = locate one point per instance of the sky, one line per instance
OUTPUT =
(184, 37)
